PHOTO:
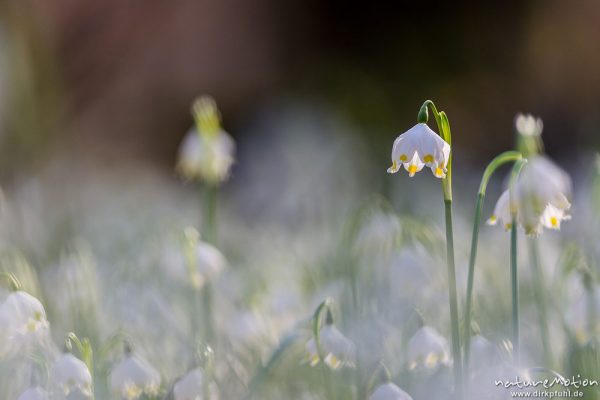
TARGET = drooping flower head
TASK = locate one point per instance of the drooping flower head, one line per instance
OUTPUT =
(338, 350)
(389, 391)
(22, 322)
(541, 198)
(70, 375)
(419, 147)
(206, 152)
(204, 261)
(133, 377)
(427, 349)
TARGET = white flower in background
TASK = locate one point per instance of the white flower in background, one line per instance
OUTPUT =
(427, 348)
(389, 391)
(542, 184)
(502, 211)
(206, 152)
(69, 375)
(34, 393)
(204, 260)
(191, 387)
(419, 147)
(338, 350)
(23, 321)
(134, 377)
(528, 125)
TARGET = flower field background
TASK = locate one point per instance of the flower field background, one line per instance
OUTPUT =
(199, 248)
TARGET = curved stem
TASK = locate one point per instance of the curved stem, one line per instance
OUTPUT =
(498, 161)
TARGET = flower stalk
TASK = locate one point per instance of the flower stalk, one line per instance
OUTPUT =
(444, 131)
(497, 162)
(518, 166)
(540, 299)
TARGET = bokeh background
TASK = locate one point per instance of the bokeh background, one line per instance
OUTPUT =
(110, 83)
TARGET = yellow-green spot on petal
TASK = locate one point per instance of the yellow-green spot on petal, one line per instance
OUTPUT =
(412, 170)
(428, 158)
(554, 221)
(403, 158)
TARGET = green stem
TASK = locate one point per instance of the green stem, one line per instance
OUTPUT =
(539, 294)
(444, 131)
(498, 161)
(514, 290)
(458, 377)
(513, 259)
(210, 236)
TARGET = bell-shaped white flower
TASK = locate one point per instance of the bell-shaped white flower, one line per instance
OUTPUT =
(541, 183)
(206, 152)
(22, 321)
(134, 377)
(502, 211)
(419, 147)
(34, 393)
(192, 387)
(427, 349)
(389, 391)
(204, 261)
(528, 125)
(70, 375)
(541, 198)
(338, 350)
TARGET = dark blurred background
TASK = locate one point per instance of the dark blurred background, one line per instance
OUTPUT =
(111, 81)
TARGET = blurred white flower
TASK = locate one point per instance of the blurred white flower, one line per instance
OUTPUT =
(389, 391)
(338, 350)
(22, 321)
(206, 152)
(502, 211)
(34, 393)
(528, 125)
(419, 147)
(134, 377)
(204, 261)
(427, 349)
(191, 387)
(70, 375)
(541, 198)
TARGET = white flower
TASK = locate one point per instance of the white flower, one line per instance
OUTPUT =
(134, 377)
(22, 321)
(419, 147)
(502, 211)
(427, 348)
(204, 261)
(206, 158)
(541, 183)
(70, 375)
(337, 349)
(206, 152)
(389, 391)
(528, 125)
(191, 387)
(34, 393)
(541, 198)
